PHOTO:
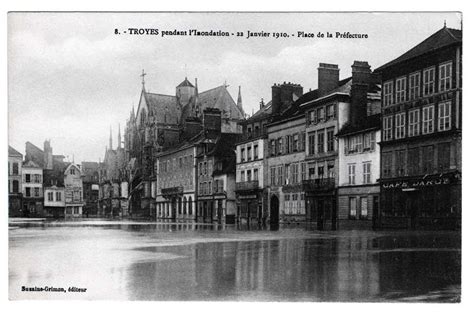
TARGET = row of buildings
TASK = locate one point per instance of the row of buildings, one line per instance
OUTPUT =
(380, 148)
(44, 185)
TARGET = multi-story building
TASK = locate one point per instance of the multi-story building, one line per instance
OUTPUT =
(15, 161)
(73, 192)
(250, 168)
(421, 134)
(32, 185)
(216, 175)
(359, 152)
(159, 125)
(90, 186)
(54, 202)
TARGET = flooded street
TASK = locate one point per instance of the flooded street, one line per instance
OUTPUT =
(164, 261)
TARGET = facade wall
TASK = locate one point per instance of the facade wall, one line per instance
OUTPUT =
(73, 192)
(177, 170)
(15, 189)
(32, 191)
(285, 166)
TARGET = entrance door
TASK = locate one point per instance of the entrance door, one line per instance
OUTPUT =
(219, 210)
(274, 210)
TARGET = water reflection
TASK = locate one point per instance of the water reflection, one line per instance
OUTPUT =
(189, 261)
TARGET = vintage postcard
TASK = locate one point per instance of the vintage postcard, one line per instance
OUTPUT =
(211, 156)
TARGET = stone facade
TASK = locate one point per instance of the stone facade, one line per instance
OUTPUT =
(15, 189)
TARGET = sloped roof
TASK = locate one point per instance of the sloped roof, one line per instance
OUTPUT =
(13, 152)
(185, 83)
(371, 122)
(220, 98)
(442, 38)
(161, 105)
(262, 113)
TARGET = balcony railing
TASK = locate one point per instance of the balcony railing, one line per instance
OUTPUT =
(318, 184)
(247, 186)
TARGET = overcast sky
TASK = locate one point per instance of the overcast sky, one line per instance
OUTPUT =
(71, 78)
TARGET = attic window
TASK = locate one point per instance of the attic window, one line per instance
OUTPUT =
(72, 171)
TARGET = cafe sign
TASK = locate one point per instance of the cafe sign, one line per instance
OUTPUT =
(419, 183)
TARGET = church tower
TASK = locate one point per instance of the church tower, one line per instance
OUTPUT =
(185, 92)
(48, 155)
(239, 103)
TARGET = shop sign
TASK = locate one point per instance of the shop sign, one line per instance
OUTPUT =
(417, 183)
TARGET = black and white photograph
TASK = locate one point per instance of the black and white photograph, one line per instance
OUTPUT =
(235, 156)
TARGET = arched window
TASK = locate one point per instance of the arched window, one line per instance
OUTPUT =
(184, 205)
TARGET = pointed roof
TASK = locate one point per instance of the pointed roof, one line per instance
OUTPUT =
(185, 83)
(442, 38)
(13, 152)
(161, 104)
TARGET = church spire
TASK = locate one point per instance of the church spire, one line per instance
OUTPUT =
(119, 139)
(196, 97)
(143, 79)
(239, 103)
(110, 138)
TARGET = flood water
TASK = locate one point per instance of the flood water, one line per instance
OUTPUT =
(164, 261)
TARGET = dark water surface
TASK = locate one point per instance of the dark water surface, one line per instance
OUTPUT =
(153, 261)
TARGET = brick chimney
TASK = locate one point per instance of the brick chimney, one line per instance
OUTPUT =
(276, 99)
(361, 79)
(328, 78)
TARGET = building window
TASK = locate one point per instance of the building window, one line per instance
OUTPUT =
(58, 196)
(428, 119)
(358, 143)
(50, 196)
(413, 162)
(351, 171)
(15, 168)
(444, 155)
(205, 168)
(242, 154)
(27, 178)
(255, 152)
(15, 186)
(273, 176)
(414, 122)
(37, 178)
(288, 144)
(311, 143)
(295, 142)
(387, 164)
(321, 141)
(273, 148)
(321, 114)
(444, 116)
(279, 175)
(249, 153)
(280, 146)
(428, 81)
(330, 134)
(249, 175)
(427, 159)
(387, 128)
(400, 126)
(27, 191)
(366, 172)
(242, 176)
(363, 207)
(414, 91)
(388, 93)
(330, 112)
(294, 173)
(287, 175)
(400, 90)
(312, 117)
(37, 192)
(400, 162)
(352, 207)
(303, 171)
(445, 77)
(76, 210)
(320, 171)
(72, 171)
(255, 174)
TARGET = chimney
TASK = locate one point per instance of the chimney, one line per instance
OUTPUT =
(328, 78)
(361, 78)
(276, 99)
(289, 91)
(262, 103)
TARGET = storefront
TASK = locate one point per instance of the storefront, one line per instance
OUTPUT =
(321, 202)
(431, 201)
(250, 205)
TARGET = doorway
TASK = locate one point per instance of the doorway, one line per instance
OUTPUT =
(274, 210)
